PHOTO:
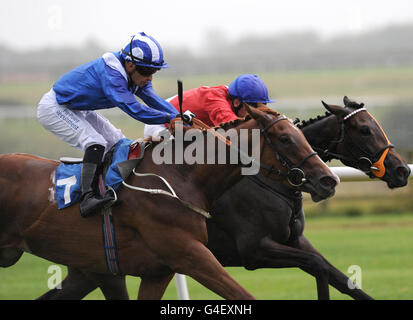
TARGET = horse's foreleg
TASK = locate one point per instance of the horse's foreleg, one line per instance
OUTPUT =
(153, 288)
(336, 278)
(78, 284)
(75, 286)
(113, 287)
(271, 254)
(199, 263)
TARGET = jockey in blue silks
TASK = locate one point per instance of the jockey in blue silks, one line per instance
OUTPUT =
(110, 81)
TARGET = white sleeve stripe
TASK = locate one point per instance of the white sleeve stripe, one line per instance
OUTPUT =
(113, 62)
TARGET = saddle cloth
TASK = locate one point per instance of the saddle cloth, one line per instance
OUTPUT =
(68, 175)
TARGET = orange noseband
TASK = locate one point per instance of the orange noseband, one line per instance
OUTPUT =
(380, 163)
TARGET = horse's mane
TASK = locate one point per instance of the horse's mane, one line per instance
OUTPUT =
(350, 105)
(234, 123)
(268, 110)
(305, 123)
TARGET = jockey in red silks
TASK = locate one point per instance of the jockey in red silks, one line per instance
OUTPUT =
(113, 80)
(216, 105)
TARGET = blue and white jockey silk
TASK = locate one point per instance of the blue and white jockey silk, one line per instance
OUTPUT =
(103, 83)
(67, 178)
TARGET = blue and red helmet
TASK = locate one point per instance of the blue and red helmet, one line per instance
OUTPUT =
(144, 50)
(249, 88)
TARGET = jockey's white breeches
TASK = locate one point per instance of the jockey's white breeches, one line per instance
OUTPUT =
(79, 128)
(153, 130)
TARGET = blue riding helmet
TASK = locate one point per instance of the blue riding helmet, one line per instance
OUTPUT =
(249, 88)
(144, 50)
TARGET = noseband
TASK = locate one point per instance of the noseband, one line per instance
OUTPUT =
(371, 164)
(295, 175)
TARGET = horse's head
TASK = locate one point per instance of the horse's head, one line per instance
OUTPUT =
(286, 153)
(363, 144)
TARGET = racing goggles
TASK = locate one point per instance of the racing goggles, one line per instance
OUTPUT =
(146, 71)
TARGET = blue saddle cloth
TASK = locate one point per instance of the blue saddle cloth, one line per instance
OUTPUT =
(67, 179)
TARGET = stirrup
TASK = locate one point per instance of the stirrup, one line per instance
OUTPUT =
(93, 209)
(109, 189)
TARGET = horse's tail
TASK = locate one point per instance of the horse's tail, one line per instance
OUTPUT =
(8, 255)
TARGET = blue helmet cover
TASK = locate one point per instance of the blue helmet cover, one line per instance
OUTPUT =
(249, 88)
(146, 51)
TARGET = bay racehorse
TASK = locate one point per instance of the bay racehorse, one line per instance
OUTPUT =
(247, 231)
(156, 235)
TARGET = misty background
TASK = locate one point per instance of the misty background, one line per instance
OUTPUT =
(390, 46)
(219, 60)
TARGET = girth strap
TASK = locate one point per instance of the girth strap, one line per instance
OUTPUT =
(109, 239)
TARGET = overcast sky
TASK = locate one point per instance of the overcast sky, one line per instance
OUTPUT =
(30, 24)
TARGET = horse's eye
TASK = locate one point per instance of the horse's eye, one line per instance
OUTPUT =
(365, 131)
(285, 139)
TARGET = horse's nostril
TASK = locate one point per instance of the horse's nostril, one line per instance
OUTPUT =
(403, 171)
(328, 182)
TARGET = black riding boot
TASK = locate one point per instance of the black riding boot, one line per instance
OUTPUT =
(90, 202)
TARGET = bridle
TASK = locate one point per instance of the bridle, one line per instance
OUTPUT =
(371, 164)
(295, 175)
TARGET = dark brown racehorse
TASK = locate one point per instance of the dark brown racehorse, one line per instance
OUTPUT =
(156, 235)
(270, 234)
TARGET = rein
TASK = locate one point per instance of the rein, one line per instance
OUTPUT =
(295, 175)
(198, 124)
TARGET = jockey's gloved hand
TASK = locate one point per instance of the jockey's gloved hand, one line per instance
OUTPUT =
(187, 117)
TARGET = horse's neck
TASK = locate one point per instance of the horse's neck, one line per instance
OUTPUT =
(219, 178)
(321, 133)
(215, 179)
(202, 180)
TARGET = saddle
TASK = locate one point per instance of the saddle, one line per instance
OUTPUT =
(117, 166)
(136, 151)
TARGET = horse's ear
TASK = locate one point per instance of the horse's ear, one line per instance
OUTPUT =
(253, 112)
(326, 106)
(352, 104)
(346, 100)
(336, 110)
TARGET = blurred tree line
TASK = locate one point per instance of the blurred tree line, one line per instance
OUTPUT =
(390, 46)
